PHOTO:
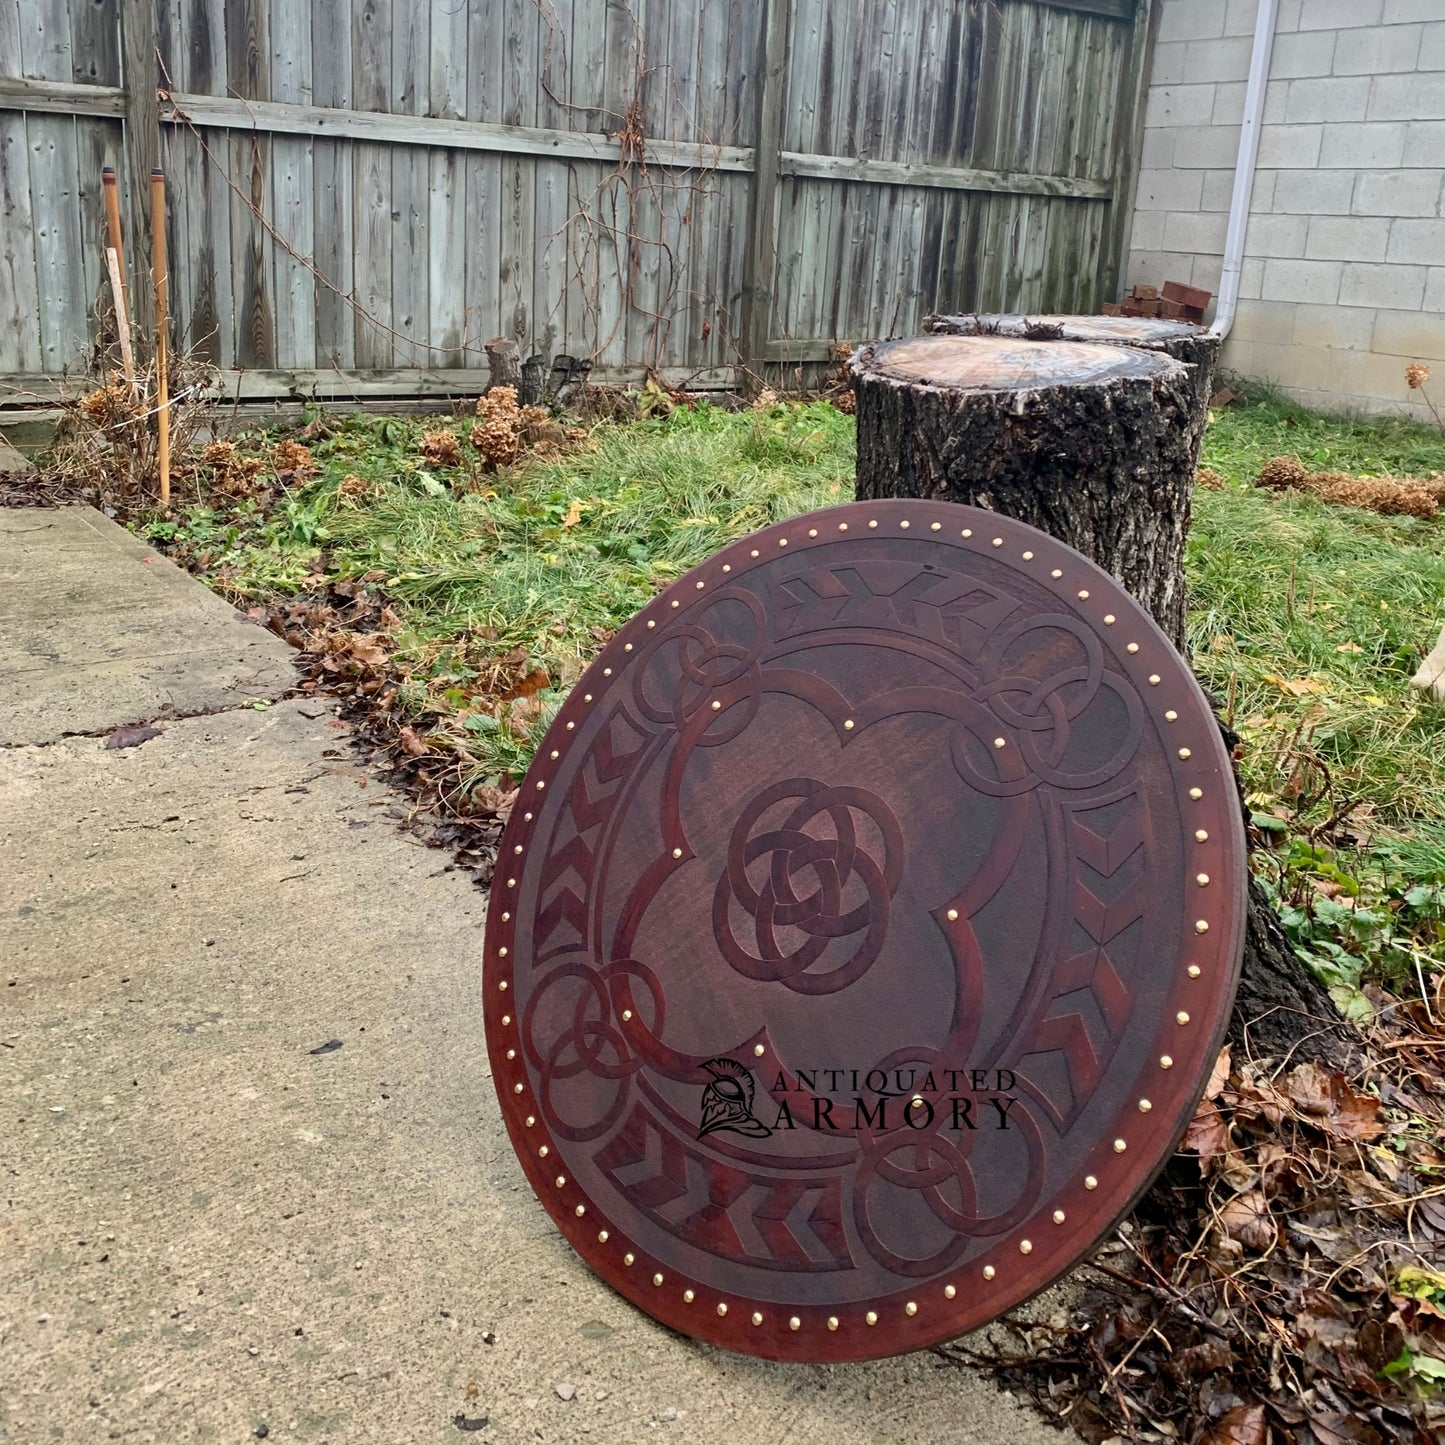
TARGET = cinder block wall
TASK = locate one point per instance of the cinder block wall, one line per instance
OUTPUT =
(1344, 281)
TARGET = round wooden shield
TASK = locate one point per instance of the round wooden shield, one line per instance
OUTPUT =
(864, 932)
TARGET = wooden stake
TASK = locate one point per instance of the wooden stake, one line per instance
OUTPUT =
(158, 281)
(117, 291)
(122, 296)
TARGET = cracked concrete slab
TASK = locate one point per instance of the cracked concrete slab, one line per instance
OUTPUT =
(97, 630)
(209, 1226)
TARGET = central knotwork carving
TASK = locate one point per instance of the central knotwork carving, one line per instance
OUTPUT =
(805, 881)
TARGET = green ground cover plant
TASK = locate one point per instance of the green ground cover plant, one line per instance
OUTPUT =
(1307, 619)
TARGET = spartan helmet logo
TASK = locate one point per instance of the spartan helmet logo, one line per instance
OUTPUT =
(727, 1102)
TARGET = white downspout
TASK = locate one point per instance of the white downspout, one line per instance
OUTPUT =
(1264, 23)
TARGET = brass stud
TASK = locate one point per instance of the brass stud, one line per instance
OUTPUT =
(967, 532)
(511, 882)
(870, 1318)
(1059, 1216)
(757, 1317)
(1181, 1018)
(782, 541)
(657, 1280)
(511, 1053)
(759, 1050)
(812, 531)
(651, 622)
(1090, 1182)
(1196, 793)
(795, 1323)
(543, 1152)
(949, 1291)
(506, 1019)
(953, 915)
(541, 784)
(587, 696)
(677, 852)
(903, 524)
(717, 706)
(503, 986)
(629, 1259)
(580, 1210)
(561, 1180)
(833, 1319)
(1171, 716)
(626, 1014)
(1165, 1062)
(1145, 1106)
(527, 817)
(506, 917)
(1154, 679)
(722, 1307)
(572, 725)
(911, 1308)
(937, 527)
(1056, 573)
(727, 566)
(516, 1088)
(873, 522)
(1120, 1146)
(676, 602)
(1109, 619)
(626, 647)
(1202, 879)
(842, 526)
(1026, 1246)
(688, 1296)
(1000, 742)
(848, 725)
(1132, 647)
(501, 953)
(1201, 925)
(1193, 970)
(998, 541)
(1084, 594)
(531, 1120)
(754, 552)
(602, 1236)
(1200, 836)
(1185, 754)
(989, 1271)
(701, 585)
(1028, 556)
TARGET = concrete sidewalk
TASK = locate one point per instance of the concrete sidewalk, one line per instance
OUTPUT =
(207, 1226)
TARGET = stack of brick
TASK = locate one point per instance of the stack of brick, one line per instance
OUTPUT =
(1177, 303)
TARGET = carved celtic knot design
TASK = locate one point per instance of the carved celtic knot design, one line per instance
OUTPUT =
(807, 884)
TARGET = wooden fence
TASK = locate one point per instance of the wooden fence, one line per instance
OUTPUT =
(364, 191)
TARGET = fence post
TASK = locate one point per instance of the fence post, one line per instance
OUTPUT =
(140, 77)
(760, 270)
(1125, 148)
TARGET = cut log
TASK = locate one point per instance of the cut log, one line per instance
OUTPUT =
(1185, 342)
(1093, 444)
(1096, 445)
(504, 361)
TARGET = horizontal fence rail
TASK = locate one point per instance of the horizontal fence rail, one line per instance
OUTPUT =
(690, 188)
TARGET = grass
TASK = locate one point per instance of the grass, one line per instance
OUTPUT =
(1307, 620)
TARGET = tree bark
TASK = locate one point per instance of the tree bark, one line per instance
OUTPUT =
(504, 361)
(1095, 444)
(1185, 342)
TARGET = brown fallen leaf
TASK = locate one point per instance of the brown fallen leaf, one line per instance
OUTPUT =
(1244, 1425)
(411, 744)
(574, 514)
(131, 736)
(1207, 1134)
(1246, 1218)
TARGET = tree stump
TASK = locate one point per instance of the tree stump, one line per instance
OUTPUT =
(1096, 445)
(504, 362)
(1182, 340)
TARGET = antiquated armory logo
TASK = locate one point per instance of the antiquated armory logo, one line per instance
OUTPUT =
(727, 1102)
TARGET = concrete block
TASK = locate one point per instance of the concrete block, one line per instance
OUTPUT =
(1223, 59)
(1205, 273)
(1435, 289)
(1264, 321)
(1192, 19)
(1377, 145)
(1206, 147)
(1401, 12)
(1148, 231)
(1287, 280)
(1229, 102)
(1313, 193)
(1417, 242)
(1169, 190)
(1218, 187)
(1371, 374)
(1271, 235)
(1287, 18)
(1407, 97)
(1334, 99)
(1418, 334)
(1397, 193)
(1157, 151)
(1347, 238)
(1179, 105)
(1432, 47)
(1309, 53)
(1196, 231)
(1339, 14)
(1239, 17)
(1368, 284)
(1383, 50)
(1251, 278)
(1264, 360)
(1337, 328)
(1154, 268)
(1169, 66)
(1285, 147)
(1261, 198)
(1424, 143)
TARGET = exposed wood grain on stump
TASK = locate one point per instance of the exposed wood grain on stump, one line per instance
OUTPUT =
(1094, 445)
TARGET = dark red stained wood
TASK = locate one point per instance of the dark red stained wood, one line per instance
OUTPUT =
(772, 833)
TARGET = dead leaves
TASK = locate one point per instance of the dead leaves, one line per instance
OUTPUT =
(1327, 1098)
(1244, 1425)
